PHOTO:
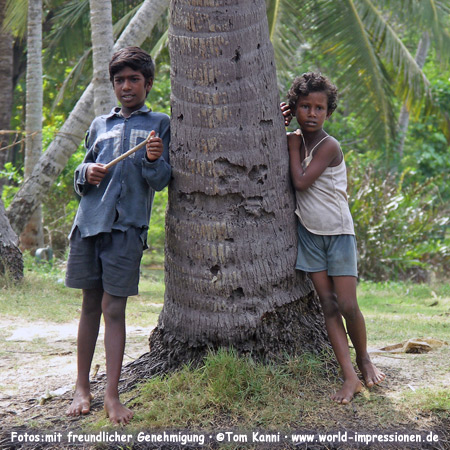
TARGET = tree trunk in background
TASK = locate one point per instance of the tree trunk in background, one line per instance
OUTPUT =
(52, 162)
(32, 236)
(6, 89)
(403, 121)
(230, 226)
(11, 262)
(102, 47)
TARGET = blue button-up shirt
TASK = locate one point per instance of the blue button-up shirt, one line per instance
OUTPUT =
(124, 197)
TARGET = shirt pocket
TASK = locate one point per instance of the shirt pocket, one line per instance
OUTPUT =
(137, 137)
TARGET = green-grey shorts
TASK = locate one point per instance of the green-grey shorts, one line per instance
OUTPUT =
(337, 254)
(108, 261)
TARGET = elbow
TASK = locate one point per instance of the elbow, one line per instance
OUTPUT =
(299, 186)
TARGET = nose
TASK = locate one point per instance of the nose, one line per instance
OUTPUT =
(126, 85)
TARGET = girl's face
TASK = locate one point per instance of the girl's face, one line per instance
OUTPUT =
(312, 111)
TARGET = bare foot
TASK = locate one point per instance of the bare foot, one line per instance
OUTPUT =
(118, 414)
(81, 403)
(347, 392)
(370, 373)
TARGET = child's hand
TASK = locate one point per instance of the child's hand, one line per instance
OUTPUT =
(286, 113)
(95, 173)
(154, 147)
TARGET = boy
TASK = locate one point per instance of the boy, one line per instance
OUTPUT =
(326, 237)
(110, 228)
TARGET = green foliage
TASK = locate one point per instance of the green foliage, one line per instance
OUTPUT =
(401, 228)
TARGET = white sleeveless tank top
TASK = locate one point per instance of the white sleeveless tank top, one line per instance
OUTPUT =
(323, 208)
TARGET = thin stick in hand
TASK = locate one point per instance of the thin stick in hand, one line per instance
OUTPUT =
(130, 152)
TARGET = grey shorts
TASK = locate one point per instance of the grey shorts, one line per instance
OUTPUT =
(337, 254)
(108, 261)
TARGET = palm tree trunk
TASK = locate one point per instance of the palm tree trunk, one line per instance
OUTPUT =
(102, 47)
(6, 88)
(32, 236)
(230, 226)
(403, 121)
(55, 158)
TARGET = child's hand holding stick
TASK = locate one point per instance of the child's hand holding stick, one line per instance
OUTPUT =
(131, 151)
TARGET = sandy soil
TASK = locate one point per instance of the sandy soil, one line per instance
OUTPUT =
(39, 362)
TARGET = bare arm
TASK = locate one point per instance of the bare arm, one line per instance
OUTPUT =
(327, 154)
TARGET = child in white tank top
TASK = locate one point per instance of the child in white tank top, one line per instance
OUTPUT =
(327, 245)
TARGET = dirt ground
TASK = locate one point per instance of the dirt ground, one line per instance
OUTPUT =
(38, 367)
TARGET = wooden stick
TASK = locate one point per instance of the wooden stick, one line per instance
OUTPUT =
(130, 152)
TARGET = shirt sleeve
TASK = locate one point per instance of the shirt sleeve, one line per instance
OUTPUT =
(158, 172)
(81, 185)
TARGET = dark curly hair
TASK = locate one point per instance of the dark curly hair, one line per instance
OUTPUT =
(133, 57)
(309, 82)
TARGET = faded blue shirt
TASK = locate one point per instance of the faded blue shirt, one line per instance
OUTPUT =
(124, 197)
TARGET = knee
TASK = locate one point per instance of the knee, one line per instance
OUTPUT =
(92, 303)
(113, 309)
(350, 310)
(330, 305)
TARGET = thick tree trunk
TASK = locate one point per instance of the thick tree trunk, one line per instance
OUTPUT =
(102, 47)
(32, 236)
(231, 229)
(11, 262)
(53, 161)
(6, 88)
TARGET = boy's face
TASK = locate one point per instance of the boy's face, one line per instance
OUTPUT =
(131, 89)
(312, 111)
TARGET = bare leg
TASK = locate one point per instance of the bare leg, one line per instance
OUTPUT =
(337, 335)
(345, 288)
(88, 327)
(114, 316)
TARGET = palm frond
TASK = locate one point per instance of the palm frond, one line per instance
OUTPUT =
(73, 76)
(16, 17)
(286, 19)
(71, 27)
(338, 30)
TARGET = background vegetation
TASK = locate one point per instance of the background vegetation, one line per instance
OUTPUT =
(400, 202)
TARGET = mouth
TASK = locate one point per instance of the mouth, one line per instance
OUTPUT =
(127, 97)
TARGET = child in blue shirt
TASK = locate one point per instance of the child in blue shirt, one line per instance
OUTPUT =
(326, 237)
(110, 229)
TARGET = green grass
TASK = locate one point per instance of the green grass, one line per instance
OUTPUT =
(398, 311)
(42, 296)
(230, 391)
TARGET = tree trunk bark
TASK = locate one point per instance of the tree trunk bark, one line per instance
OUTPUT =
(230, 225)
(11, 262)
(6, 89)
(102, 47)
(32, 236)
(53, 161)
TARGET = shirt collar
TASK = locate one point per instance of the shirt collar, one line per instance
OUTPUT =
(116, 111)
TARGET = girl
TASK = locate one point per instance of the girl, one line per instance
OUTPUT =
(326, 237)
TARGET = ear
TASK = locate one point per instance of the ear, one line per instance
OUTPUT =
(149, 85)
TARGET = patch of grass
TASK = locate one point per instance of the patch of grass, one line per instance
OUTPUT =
(231, 390)
(431, 400)
(42, 295)
(398, 311)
